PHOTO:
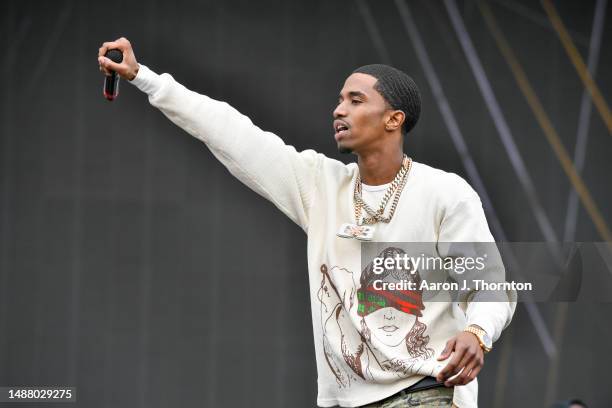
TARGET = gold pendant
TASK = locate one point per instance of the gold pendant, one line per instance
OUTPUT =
(361, 232)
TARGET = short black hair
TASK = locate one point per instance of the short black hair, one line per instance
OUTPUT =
(568, 404)
(398, 89)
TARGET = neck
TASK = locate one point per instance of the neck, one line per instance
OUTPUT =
(376, 168)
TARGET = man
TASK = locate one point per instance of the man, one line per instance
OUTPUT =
(371, 347)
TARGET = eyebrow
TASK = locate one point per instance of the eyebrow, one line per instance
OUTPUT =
(355, 93)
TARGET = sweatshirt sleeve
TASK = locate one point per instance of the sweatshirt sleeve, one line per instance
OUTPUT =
(464, 232)
(259, 159)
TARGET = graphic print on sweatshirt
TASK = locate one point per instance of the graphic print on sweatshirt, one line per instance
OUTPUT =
(356, 316)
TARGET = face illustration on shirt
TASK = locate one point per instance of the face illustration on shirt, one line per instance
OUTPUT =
(389, 315)
(389, 325)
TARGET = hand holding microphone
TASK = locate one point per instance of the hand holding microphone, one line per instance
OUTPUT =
(111, 82)
(116, 59)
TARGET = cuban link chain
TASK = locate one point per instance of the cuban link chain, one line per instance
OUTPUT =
(394, 190)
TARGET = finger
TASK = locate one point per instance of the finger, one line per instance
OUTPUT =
(452, 365)
(103, 49)
(109, 65)
(104, 70)
(114, 44)
(121, 45)
(474, 373)
(468, 356)
(464, 376)
(123, 41)
(448, 349)
(474, 368)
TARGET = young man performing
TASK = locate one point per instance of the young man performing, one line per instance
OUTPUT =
(371, 346)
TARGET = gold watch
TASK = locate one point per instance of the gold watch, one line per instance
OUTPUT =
(483, 338)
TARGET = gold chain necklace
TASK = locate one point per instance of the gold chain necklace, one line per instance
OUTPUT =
(361, 230)
(394, 190)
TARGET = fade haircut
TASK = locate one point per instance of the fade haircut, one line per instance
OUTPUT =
(398, 90)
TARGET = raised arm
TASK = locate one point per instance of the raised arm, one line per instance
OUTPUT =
(259, 159)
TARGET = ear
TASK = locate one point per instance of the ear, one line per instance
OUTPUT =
(394, 120)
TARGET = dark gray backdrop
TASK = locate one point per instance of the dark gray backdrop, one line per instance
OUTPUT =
(134, 267)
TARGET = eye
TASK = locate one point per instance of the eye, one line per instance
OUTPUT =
(356, 101)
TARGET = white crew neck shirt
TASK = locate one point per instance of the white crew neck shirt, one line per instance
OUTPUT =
(354, 368)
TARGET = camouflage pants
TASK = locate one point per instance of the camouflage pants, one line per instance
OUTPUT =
(433, 397)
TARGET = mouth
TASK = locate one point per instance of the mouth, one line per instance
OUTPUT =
(341, 128)
(389, 329)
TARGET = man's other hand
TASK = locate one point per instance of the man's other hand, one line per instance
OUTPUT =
(467, 359)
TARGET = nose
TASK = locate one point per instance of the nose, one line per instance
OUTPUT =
(389, 315)
(340, 111)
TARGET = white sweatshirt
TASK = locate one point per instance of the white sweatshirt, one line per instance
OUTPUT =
(355, 367)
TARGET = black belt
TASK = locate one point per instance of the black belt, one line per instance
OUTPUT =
(424, 384)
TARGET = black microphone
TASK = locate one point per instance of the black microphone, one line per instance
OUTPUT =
(111, 82)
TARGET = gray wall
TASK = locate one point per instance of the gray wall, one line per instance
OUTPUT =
(126, 269)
